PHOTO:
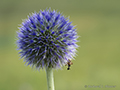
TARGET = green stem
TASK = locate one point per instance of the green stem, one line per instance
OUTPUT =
(50, 80)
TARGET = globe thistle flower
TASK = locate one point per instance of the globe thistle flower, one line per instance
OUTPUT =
(47, 39)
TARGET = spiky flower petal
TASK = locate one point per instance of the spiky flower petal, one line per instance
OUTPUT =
(47, 39)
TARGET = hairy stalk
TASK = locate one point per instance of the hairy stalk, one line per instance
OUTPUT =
(50, 80)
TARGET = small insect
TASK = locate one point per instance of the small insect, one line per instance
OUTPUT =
(69, 63)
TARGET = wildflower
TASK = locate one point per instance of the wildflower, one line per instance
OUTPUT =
(47, 39)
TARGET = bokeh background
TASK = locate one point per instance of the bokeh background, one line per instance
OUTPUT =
(98, 58)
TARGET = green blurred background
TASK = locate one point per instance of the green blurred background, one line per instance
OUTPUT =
(98, 59)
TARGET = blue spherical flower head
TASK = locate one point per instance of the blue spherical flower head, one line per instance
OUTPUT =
(47, 39)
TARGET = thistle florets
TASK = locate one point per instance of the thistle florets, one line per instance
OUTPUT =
(47, 39)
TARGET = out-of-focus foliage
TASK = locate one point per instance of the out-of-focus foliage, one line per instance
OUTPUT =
(97, 63)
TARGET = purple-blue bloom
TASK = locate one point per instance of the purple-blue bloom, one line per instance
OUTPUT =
(47, 39)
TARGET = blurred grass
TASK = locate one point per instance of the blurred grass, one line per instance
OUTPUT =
(98, 57)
